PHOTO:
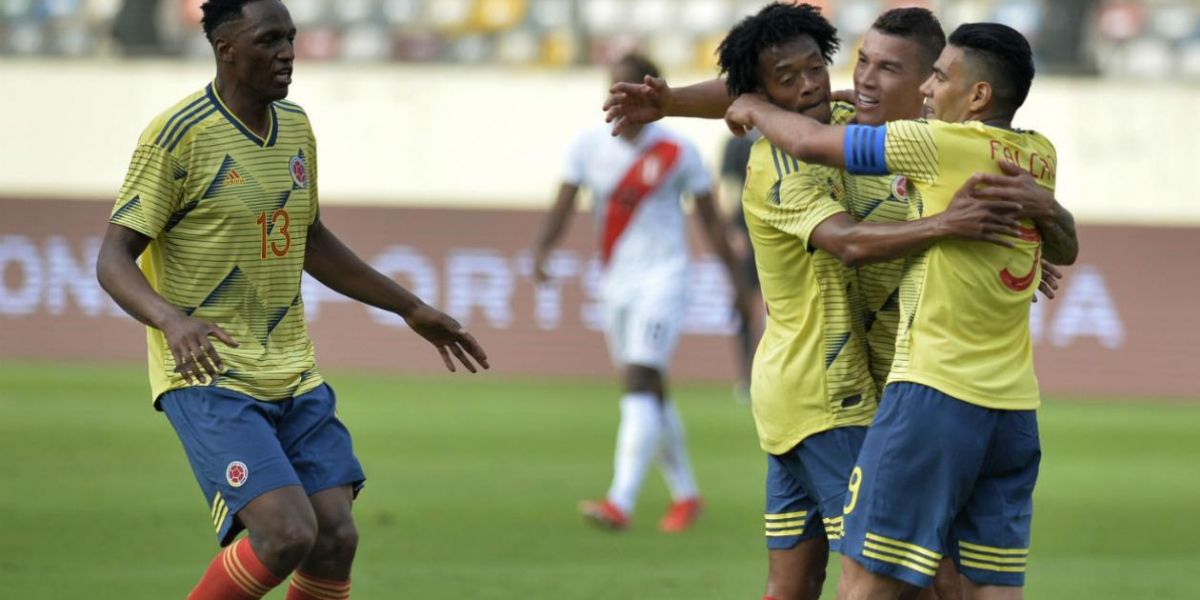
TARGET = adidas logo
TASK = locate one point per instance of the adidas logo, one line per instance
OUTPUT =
(233, 178)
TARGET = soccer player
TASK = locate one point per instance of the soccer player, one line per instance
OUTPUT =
(949, 464)
(638, 181)
(221, 204)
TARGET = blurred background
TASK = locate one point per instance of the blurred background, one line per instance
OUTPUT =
(443, 126)
(1147, 39)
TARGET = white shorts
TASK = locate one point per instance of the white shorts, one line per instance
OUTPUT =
(642, 326)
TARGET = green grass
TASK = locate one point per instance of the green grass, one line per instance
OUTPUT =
(473, 485)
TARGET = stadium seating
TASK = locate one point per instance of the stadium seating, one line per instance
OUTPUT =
(1119, 38)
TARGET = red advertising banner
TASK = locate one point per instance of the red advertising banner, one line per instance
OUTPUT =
(1123, 324)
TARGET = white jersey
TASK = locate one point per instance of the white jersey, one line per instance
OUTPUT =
(651, 174)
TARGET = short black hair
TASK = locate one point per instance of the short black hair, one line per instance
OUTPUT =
(640, 64)
(1006, 58)
(776, 24)
(916, 24)
(220, 12)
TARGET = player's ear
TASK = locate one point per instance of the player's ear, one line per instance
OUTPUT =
(223, 43)
(981, 96)
(223, 48)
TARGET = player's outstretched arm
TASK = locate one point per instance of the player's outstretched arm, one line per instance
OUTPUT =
(553, 229)
(715, 230)
(802, 137)
(334, 264)
(653, 99)
(187, 337)
(1060, 242)
(969, 217)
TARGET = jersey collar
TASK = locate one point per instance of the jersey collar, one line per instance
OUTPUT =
(272, 133)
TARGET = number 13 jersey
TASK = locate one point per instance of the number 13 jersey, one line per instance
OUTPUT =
(227, 213)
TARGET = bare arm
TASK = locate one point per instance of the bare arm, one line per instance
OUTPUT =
(802, 137)
(705, 100)
(715, 231)
(968, 217)
(187, 337)
(334, 264)
(554, 227)
(653, 99)
(1060, 242)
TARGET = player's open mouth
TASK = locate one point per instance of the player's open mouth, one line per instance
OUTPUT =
(866, 102)
(283, 75)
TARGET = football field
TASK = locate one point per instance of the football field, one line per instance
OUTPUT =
(473, 483)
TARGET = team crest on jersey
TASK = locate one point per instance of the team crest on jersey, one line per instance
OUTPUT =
(299, 172)
(900, 188)
(237, 473)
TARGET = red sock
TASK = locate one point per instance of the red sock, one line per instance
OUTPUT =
(235, 574)
(307, 587)
(768, 597)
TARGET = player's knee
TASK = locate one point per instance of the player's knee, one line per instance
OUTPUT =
(338, 543)
(642, 379)
(290, 542)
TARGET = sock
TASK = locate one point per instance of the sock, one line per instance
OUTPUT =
(676, 467)
(638, 438)
(235, 574)
(307, 587)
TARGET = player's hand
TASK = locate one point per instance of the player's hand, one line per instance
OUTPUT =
(740, 115)
(973, 217)
(448, 336)
(1017, 185)
(195, 356)
(637, 103)
(1048, 286)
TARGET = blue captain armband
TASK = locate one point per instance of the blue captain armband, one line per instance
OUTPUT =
(865, 150)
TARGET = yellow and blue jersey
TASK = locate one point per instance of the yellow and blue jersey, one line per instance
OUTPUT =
(810, 370)
(227, 213)
(964, 326)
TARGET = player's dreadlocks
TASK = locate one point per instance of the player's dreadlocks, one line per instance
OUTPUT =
(220, 12)
(775, 25)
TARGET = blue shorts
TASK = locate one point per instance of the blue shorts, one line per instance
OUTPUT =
(806, 487)
(941, 477)
(241, 448)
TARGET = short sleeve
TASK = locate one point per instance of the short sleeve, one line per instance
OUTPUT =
(151, 193)
(805, 201)
(695, 178)
(912, 150)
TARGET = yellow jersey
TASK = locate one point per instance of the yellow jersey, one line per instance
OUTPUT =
(964, 326)
(810, 370)
(880, 199)
(227, 213)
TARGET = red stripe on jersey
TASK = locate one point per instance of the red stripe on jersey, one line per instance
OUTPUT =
(646, 174)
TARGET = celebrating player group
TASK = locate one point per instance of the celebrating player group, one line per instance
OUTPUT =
(899, 240)
(900, 233)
